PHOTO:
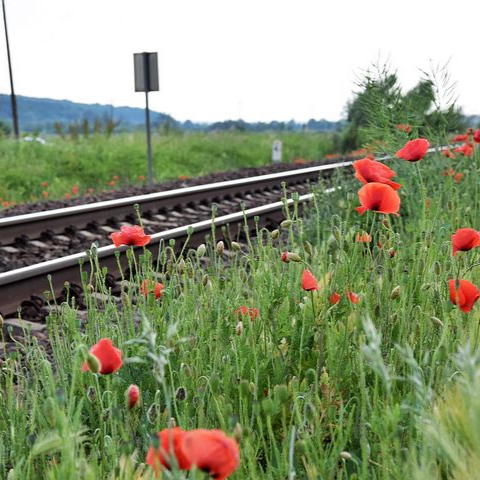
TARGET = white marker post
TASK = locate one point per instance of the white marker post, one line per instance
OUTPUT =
(277, 151)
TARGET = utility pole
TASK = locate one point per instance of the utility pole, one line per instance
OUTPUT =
(12, 96)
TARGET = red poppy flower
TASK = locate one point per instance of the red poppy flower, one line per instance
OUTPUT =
(464, 239)
(448, 173)
(247, 312)
(465, 296)
(466, 149)
(364, 237)
(414, 150)
(212, 451)
(285, 257)
(130, 236)
(460, 138)
(110, 357)
(402, 127)
(309, 282)
(132, 396)
(368, 171)
(171, 445)
(458, 177)
(476, 136)
(152, 287)
(378, 197)
(353, 297)
(334, 298)
(446, 152)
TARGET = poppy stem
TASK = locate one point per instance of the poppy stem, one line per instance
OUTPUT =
(469, 268)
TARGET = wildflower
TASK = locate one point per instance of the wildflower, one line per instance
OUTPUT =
(130, 236)
(464, 239)
(116, 178)
(309, 282)
(45, 194)
(378, 197)
(111, 183)
(183, 177)
(414, 150)
(460, 138)
(44, 184)
(75, 190)
(152, 287)
(446, 152)
(141, 178)
(334, 298)
(458, 177)
(402, 127)
(212, 451)
(448, 173)
(247, 312)
(368, 171)
(67, 196)
(299, 161)
(364, 237)
(465, 295)
(466, 149)
(110, 357)
(353, 297)
(6, 204)
(285, 257)
(132, 396)
(171, 441)
(476, 136)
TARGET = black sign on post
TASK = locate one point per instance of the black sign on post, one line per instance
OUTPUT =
(146, 80)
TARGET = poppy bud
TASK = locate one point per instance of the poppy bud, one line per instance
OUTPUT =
(293, 257)
(285, 258)
(91, 394)
(236, 246)
(275, 234)
(437, 268)
(395, 292)
(268, 407)
(152, 413)
(220, 247)
(436, 321)
(93, 363)
(50, 411)
(243, 276)
(181, 266)
(1, 321)
(345, 455)
(237, 432)
(205, 280)
(336, 233)
(214, 383)
(308, 247)
(239, 328)
(281, 393)
(132, 396)
(201, 249)
(186, 370)
(181, 394)
(286, 223)
(244, 388)
(252, 388)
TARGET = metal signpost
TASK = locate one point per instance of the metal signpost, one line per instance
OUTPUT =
(146, 80)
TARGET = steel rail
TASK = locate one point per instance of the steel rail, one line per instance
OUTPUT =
(52, 274)
(32, 223)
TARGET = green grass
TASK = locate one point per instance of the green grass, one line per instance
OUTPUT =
(97, 161)
(383, 389)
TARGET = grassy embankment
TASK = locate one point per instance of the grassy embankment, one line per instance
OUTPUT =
(70, 168)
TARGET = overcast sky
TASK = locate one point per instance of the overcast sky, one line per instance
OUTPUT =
(258, 60)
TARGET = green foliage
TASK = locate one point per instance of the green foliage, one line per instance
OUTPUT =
(380, 106)
(91, 162)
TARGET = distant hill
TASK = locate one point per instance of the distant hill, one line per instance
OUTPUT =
(40, 114)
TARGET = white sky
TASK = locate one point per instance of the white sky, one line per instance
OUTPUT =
(258, 60)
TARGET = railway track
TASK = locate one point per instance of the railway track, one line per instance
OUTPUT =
(173, 215)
